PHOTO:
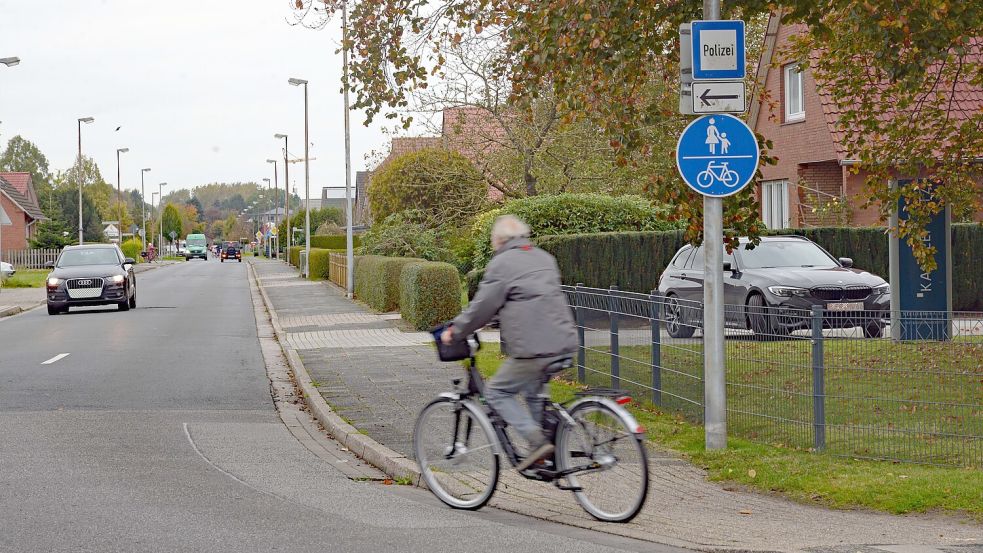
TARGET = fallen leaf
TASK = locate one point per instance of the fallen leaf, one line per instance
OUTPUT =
(745, 512)
(752, 473)
(388, 482)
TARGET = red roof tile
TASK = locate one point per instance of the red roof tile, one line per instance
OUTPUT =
(20, 181)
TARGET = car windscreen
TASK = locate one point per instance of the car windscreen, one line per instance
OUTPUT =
(93, 256)
(785, 253)
(198, 242)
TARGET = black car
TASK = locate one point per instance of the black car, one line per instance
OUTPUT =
(93, 274)
(771, 289)
(231, 252)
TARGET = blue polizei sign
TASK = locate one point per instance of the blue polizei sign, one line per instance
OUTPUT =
(717, 155)
(718, 50)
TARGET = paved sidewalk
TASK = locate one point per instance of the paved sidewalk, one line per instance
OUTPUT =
(15, 300)
(378, 378)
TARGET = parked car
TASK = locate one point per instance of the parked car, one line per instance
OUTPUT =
(231, 252)
(92, 274)
(771, 289)
(6, 270)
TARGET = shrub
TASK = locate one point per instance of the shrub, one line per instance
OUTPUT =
(441, 182)
(293, 256)
(405, 234)
(132, 248)
(572, 214)
(320, 263)
(334, 242)
(429, 293)
(377, 280)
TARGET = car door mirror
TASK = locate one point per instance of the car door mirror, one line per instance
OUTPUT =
(728, 268)
(846, 262)
(129, 261)
(49, 264)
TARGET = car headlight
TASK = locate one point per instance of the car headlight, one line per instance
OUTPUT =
(788, 291)
(54, 281)
(117, 279)
(882, 289)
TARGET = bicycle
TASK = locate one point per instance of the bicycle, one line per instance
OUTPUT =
(459, 441)
(727, 177)
(149, 255)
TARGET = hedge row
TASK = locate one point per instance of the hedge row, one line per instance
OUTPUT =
(293, 255)
(429, 293)
(335, 242)
(634, 260)
(377, 280)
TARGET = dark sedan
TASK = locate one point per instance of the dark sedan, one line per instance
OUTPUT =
(771, 289)
(93, 274)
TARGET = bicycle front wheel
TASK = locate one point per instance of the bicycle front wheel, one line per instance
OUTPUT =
(456, 450)
(610, 463)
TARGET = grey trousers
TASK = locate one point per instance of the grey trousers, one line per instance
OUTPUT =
(520, 376)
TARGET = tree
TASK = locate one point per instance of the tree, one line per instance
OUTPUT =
(172, 221)
(442, 184)
(886, 65)
(65, 201)
(54, 234)
(22, 155)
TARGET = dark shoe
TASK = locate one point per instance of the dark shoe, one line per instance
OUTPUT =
(538, 454)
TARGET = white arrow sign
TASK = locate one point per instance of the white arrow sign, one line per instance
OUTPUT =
(719, 97)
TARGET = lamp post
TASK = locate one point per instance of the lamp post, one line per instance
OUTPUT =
(119, 193)
(143, 205)
(80, 121)
(286, 190)
(276, 208)
(10, 62)
(269, 199)
(350, 253)
(152, 207)
(307, 178)
(160, 216)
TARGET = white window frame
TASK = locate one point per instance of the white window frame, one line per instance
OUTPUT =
(791, 74)
(774, 204)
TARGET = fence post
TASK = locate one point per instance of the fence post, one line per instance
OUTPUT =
(655, 308)
(818, 381)
(582, 350)
(615, 356)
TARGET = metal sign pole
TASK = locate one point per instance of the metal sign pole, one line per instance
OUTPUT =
(714, 374)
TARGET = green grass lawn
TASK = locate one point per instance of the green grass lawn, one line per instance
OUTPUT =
(27, 278)
(794, 471)
(911, 401)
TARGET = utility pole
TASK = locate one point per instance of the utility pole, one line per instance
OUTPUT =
(350, 254)
(286, 191)
(276, 209)
(143, 207)
(714, 373)
(119, 194)
(79, 175)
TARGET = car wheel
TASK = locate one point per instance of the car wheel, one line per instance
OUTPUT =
(133, 300)
(675, 325)
(223, 260)
(760, 321)
(52, 310)
(873, 329)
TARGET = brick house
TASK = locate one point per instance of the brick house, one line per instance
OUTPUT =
(20, 201)
(814, 168)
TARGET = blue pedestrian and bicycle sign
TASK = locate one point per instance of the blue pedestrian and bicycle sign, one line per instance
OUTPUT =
(717, 155)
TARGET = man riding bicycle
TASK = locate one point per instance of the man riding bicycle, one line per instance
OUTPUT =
(521, 286)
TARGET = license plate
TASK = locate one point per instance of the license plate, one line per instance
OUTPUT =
(851, 306)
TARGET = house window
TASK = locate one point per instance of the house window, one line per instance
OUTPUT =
(795, 109)
(774, 204)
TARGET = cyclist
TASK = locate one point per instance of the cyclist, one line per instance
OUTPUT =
(151, 252)
(522, 287)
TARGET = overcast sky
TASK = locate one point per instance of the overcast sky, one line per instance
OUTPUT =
(198, 88)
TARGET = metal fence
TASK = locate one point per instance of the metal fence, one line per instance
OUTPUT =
(30, 259)
(809, 379)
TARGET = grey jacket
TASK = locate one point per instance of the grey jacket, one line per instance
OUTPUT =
(522, 286)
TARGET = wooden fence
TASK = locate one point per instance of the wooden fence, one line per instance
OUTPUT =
(338, 269)
(30, 259)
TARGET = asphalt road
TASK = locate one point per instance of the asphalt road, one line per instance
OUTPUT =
(157, 432)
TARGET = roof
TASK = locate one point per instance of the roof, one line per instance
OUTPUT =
(966, 98)
(21, 200)
(20, 180)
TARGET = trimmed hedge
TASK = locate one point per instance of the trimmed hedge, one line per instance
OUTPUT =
(293, 255)
(320, 262)
(334, 242)
(565, 214)
(377, 280)
(429, 293)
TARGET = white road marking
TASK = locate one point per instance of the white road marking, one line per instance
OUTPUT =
(56, 358)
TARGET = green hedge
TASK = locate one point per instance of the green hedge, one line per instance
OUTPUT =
(565, 214)
(132, 248)
(293, 255)
(429, 293)
(377, 280)
(336, 242)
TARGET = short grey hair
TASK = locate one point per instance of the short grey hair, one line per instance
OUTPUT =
(508, 227)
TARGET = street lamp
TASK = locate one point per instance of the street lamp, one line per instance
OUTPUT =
(80, 121)
(307, 177)
(276, 209)
(143, 204)
(349, 246)
(119, 193)
(10, 62)
(160, 216)
(286, 188)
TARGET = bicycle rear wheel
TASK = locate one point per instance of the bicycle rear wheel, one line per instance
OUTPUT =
(456, 450)
(614, 480)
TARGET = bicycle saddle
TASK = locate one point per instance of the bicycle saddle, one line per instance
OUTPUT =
(556, 367)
